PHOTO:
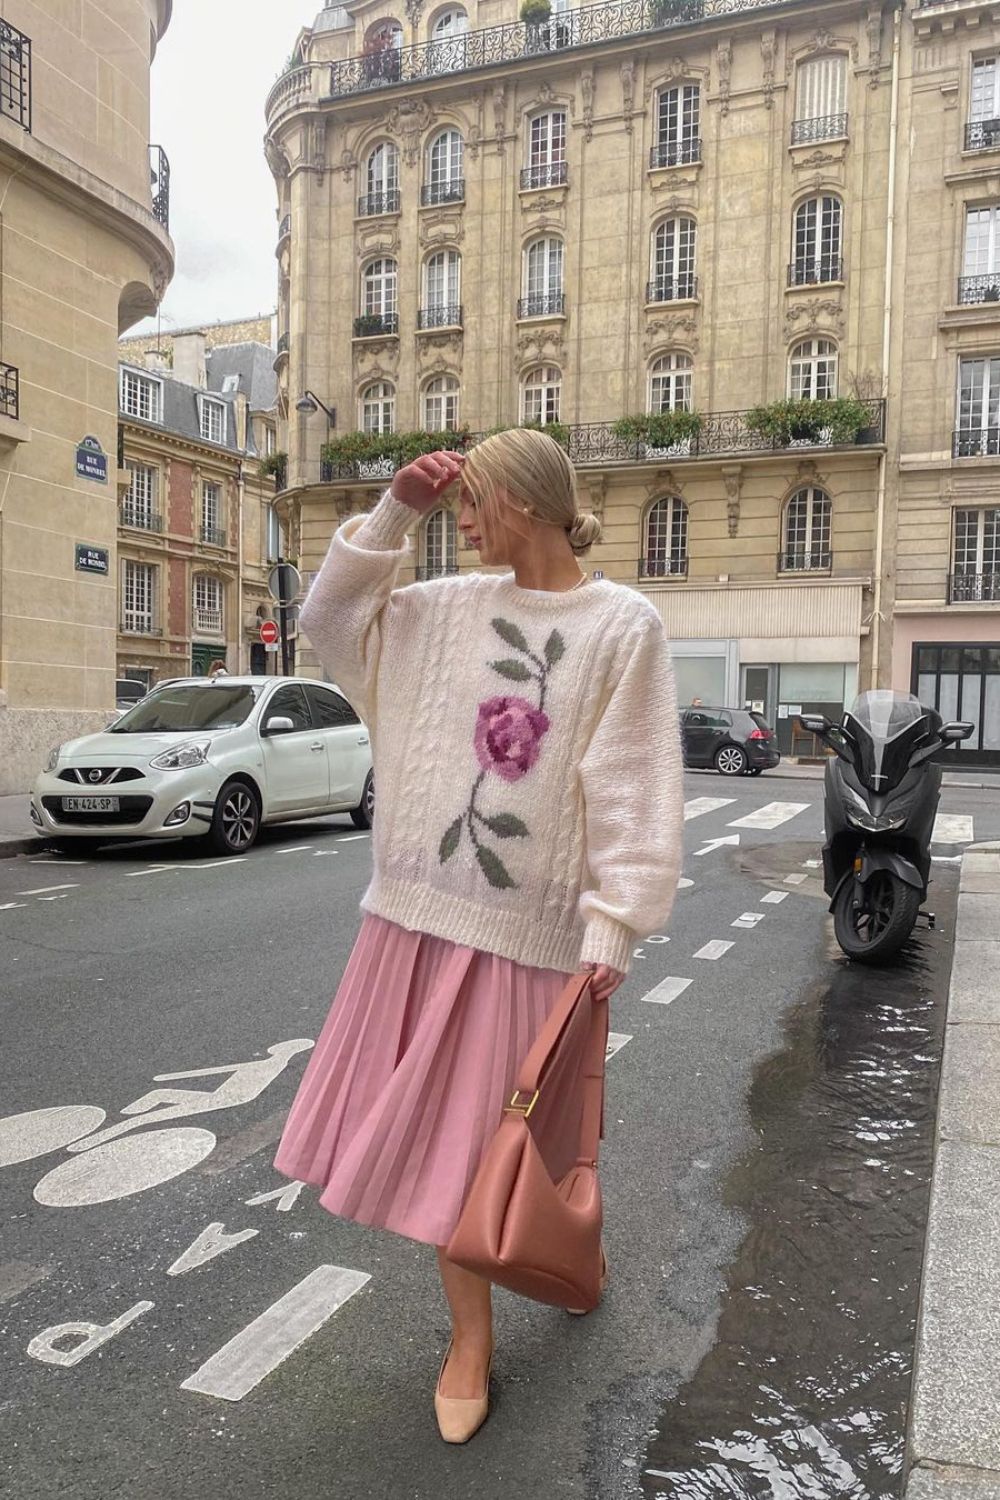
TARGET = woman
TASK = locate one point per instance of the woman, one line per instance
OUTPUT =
(529, 825)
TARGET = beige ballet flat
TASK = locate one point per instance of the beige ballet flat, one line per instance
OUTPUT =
(581, 1312)
(458, 1417)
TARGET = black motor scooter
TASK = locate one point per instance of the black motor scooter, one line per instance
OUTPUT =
(882, 792)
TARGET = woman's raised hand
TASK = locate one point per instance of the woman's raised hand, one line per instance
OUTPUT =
(420, 484)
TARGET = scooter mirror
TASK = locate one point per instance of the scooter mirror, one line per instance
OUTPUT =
(953, 733)
(815, 723)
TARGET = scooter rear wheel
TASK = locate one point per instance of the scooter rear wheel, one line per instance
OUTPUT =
(875, 935)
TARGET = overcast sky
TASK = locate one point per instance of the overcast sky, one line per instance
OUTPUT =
(212, 73)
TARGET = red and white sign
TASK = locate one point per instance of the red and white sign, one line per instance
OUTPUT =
(269, 632)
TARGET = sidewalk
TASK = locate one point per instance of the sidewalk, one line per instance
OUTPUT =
(16, 836)
(954, 1431)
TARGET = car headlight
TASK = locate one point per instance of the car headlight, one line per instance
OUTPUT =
(53, 760)
(181, 759)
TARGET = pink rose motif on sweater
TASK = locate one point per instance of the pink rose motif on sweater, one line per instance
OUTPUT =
(508, 741)
(509, 736)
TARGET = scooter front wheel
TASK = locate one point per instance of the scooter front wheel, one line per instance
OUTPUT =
(872, 924)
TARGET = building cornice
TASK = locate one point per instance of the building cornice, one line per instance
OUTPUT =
(179, 443)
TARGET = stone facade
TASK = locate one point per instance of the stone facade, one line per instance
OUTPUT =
(138, 347)
(84, 257)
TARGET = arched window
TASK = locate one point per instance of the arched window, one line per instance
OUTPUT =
(451, 22)
(378, 408)
(381, 195)
(817, 249)
(677, 129)
(440, 544)
(378, 297)
(672, 261)
(445, 182)
(806, 541)
(441, 404)
(383, 44)
(442, 304)
(665, 551)
(546, 166)
(820, 100)
(542, 279)
(447, 49)
(670, 383)
(812, 370)
(541, 393)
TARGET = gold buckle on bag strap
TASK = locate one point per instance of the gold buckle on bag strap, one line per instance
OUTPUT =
(522, 1109)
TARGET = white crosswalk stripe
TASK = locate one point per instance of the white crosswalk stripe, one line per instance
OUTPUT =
(772, 815)
(697, 807)
(950, 828)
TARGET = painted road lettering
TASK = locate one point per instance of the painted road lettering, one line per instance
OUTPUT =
(91, 1336)
(212, 1241)
(286, 1196)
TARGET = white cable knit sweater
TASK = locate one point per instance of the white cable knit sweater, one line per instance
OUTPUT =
(526, 750)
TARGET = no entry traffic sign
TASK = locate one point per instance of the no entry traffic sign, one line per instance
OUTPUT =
(268, 632)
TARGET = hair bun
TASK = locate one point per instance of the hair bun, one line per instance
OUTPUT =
(584, 532)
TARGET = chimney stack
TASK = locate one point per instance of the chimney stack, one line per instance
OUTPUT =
(189, 359)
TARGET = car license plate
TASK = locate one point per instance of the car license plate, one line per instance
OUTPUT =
(90, 804)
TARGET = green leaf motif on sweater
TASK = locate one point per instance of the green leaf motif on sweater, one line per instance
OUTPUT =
(514, 671)
(555, 648)
(450, 841)
(506, 826)
(509, 632)
(494, 869)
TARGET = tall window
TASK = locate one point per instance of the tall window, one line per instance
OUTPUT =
(381, 194)
(211, 514)
(817, 249)
(141, 397)
(213, 420)
(820, 99)
(378, 289)
(980, 281)
(812, 371)
(806, 543)
(984, 99)
(541, 395)
(670, 383)
(207, 603)
(378, 408)
(139, 505)
(273, 538)
(441, 404)
(978, 407)
(546, 151)
(666, 539)
(447, 55)
(138, 597)
(672, 261)
(442, 290)
(543, 279)
(440, 544)
(677, 116)
(976, 566)
(445, 183)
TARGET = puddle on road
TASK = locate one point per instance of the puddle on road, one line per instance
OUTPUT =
(805, 1390)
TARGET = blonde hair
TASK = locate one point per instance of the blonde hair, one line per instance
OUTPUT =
(525, 470)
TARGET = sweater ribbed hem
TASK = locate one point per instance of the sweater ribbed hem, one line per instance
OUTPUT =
(607, 941)
(509, 934)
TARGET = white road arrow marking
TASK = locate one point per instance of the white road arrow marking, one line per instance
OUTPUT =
(287, 1197)
(714, 844)
(211, 1242)
(616, 1041)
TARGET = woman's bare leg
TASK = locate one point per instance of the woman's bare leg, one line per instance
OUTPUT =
(470, 1298)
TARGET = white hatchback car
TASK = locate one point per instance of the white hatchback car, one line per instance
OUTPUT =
(214, 756)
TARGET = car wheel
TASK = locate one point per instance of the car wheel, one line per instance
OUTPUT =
(363, 816)
(730, 761)
(236, 820)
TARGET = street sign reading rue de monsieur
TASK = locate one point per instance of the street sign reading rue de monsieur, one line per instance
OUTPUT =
(91, 460)
(92, 559)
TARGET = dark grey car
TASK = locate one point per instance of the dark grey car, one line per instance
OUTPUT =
(733, 740)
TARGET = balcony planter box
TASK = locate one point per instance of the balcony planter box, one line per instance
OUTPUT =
(659, 435)
(379, 455)
(801, 424)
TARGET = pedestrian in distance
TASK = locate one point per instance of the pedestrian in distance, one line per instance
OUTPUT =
(528, 826)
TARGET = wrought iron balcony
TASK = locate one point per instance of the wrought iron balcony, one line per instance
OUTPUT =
(815, 271)
(15, 75)
(284, 228)
(371, 204)
(208, 621)
(974, 588)
(133, 624)
(443, 192)
(674, 153)
(549, 174)
(976, 442)
(805, 560)
(441, 315)
(683, 289)
(159, 183)
(10, 391)
(663, 567)
(374, 325)
(436, 570)
(979, 288)
(823, 128)
(982, 135)
(542, 305)
(139, 517)
(211, 536)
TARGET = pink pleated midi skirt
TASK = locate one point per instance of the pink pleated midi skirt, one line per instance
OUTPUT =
(407, 1082)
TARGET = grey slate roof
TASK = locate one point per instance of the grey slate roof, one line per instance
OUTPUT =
(251, 364)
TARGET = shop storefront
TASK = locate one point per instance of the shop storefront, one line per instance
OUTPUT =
(951, 661)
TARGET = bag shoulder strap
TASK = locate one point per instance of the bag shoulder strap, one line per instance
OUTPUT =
(529, 1079)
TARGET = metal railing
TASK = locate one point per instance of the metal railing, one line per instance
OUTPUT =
(285, 227)
(982, 135)
(814, 272)
(804, 560)
(674, 153)
(974, 588)
(10, 391)
(542, 305)
(663, 567)
(139, 625)
(823, 128)
(159, 184)
(211, 536)
(139, 518)
(439, 570)
(549, 174)
(979, 288)
(976, 442)
(683, 289)
(442, 315)
(373, 325)
(443, 192)
(15, 75)
(370, 204)
(208, 620)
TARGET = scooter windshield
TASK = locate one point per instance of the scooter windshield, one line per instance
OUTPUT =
(883, 728)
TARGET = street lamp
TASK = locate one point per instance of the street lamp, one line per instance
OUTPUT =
(308, 404)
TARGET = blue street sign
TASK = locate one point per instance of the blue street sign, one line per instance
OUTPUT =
(92, 559)
(91, 460)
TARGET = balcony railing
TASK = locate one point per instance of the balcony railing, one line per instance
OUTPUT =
(442, 315)
(139, 518)
(373, 325)
(805, 560)
(674, 153)
(436, 570)
(159, 182)
(815, 272)
(982, 135)
(663, 567)
(493, 46)
(683, 289)
(542, 305)
(211, 536)
(370, 204)
(549, 174)
(976, 442)
(974, 588)
(15, 75)
(823, 128)
(443, 192)
(139, 625)
(10, 391)
(979, 288)
(208, 621)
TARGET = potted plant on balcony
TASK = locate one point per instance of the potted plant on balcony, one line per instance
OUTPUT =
(275, 466)
(558, 431)
(664, 434)
(665, 12)
(794, 423)
(536, 15)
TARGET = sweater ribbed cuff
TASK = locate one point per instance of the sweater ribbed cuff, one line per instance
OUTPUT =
(607, 941)
(384, 529)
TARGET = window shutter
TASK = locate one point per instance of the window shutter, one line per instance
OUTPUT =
(822, 88)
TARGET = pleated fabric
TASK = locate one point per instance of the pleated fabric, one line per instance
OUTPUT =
(407, 1082)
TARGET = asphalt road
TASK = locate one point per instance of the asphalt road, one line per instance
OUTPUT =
(143, 962)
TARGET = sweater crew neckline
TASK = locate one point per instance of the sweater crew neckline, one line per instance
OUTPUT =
(548, 600)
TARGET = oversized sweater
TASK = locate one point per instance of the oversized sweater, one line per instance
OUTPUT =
(526, 750)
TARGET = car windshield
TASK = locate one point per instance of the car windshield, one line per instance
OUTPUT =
(188, 707)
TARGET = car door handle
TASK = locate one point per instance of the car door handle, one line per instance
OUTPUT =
(363, 740)
(317, 746)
